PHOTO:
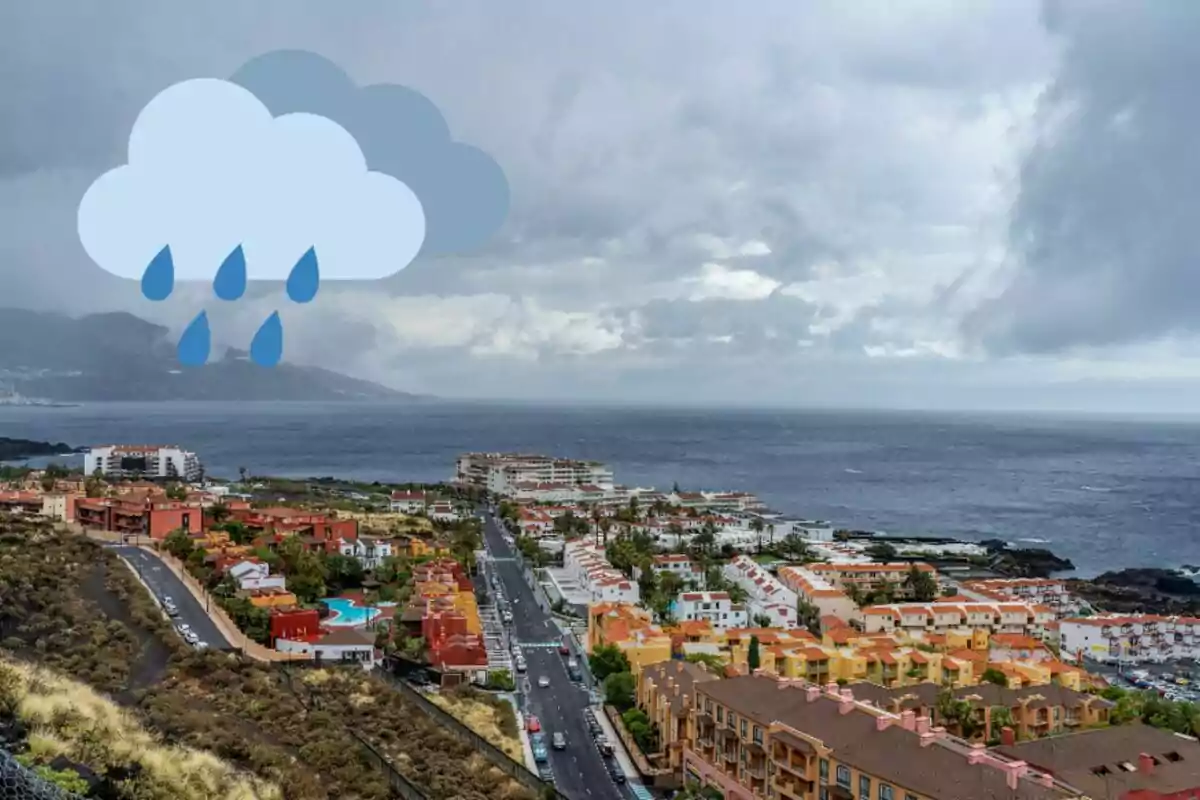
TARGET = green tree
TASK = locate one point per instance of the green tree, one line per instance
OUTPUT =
(757, 525)
(342, 573)
(993, 675)
(607, 659)
(619, 690)
(641, 729)
(714, 663)
(179, 544)
(753, 657)
(881, 551)
(794, 547)
(921, 585)
(1000, 718)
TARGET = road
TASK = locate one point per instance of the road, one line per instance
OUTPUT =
(164, 583)
(579, 771)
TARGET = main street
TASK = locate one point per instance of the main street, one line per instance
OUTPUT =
(163, 583)
(579, 771)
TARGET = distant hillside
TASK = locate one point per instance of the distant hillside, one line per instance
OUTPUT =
(119, 357)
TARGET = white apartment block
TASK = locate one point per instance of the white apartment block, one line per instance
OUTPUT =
(767, 595)
(501, 472)
(679, 565)
(369, 551)
(816, 591)
(408, 502)
(1130, 639)
(584, 563)
(143, 461)
(917, 619)
(1048, 592)
(443, 512)
(255, 575)
(716, 607)
(814, 530)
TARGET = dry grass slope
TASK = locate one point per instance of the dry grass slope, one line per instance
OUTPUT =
(65, 718)
(70, 604)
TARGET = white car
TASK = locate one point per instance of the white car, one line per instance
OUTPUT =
(201, 645)
(544, 682)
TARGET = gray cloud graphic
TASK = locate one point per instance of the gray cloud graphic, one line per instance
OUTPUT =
(463, 191)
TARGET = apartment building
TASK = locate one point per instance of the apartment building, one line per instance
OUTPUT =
(370, 551)
(630, 628)
(585, 564)
(716, 607)
(150, 462)
(139, 515)
(408, 502)
(917, 620)
(819, 592)
(1034, 711)
(1127, 762)
(1049, 592)
(767, 596)
(665, 693)
(766, 737)
(679, 565)
(1130, 639)
(870, 577)
(500, 473)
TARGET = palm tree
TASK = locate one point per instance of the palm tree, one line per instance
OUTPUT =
(757, 526)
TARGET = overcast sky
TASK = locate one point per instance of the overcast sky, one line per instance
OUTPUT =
(779, 201)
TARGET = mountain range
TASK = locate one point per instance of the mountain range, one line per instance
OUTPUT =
(120, 357)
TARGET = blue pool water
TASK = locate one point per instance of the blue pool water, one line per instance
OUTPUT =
(347, 613)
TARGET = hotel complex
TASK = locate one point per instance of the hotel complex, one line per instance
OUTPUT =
(148, 462)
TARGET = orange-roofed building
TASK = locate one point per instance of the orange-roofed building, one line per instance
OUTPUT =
(139, 515)
(630, 628)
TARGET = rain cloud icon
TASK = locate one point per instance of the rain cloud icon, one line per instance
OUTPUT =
(288, 172)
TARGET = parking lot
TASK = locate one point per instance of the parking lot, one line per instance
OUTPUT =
(1176, 680)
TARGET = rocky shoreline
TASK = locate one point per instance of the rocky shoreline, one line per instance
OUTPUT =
(17, 449)
(1141, 590)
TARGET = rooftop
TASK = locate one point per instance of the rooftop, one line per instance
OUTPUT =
(926, 764)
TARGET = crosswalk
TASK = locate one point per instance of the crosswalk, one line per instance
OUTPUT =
(641, 792)
(539, 645)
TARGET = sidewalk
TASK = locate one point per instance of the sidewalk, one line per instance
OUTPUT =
(225, 625)
(632, 776)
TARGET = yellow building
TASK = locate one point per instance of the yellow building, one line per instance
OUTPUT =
(664, 692)
(630, 628)
(271, 598)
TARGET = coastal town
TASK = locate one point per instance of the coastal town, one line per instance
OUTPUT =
(652, 642)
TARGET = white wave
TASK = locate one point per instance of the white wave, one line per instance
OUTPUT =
(1034, 540)
(852, 471)
(1095, 489)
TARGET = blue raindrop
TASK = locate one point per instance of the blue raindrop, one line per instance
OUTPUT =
(195, 342)
(159, 278)
(305, 279)
(267, 347)
(230, 281)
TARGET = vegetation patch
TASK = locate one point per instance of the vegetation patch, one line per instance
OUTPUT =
(491, 717)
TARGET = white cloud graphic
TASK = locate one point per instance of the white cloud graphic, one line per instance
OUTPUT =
(210, 169)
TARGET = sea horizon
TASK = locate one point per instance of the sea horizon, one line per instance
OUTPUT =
(1107, 491)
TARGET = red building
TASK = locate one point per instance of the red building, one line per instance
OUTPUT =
(298, 624)
(278, 522)
(450, 645)
(155, 517)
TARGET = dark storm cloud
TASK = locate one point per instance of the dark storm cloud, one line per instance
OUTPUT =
(1104, 228)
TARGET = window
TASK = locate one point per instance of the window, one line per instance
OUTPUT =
(720, 714)
(910, 797)
(864, 787)
(824, 794)
(824, 769)
(757, 735)
(843, 776)
(885, 792)
(743, 729)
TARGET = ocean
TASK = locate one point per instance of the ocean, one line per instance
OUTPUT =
(1105, 493)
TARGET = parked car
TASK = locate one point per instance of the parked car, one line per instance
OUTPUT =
(533, 724)
(545, 773)
(559, 741)
(614, 769)
(564, 650)
(543, 682)
(201, 645)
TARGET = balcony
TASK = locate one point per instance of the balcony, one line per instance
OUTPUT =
(757, 770)
(792, 787)
(730, 755)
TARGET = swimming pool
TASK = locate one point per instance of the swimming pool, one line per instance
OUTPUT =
(347, 613)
